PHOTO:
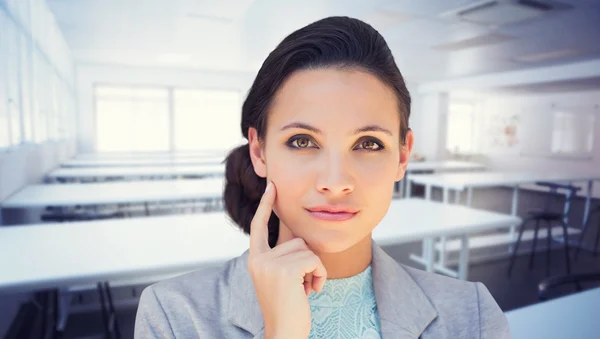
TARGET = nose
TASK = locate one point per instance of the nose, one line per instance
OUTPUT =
(335, 177)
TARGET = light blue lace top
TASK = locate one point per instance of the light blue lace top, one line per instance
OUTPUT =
(346, 308)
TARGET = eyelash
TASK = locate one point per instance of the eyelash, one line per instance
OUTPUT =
(290, 143)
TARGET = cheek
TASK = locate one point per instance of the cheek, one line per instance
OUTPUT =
(290, 180)
(376, 172)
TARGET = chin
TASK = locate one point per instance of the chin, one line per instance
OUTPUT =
(329, 243)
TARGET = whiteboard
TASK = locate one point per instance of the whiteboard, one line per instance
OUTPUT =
(559, 131)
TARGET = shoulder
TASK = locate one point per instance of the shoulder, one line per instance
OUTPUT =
(462, 305)
(189, 305)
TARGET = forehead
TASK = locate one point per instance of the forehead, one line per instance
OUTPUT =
(335, 96)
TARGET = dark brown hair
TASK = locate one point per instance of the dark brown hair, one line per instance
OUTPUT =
(334, 42)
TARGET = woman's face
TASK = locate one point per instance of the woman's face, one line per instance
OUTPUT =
(332, 142)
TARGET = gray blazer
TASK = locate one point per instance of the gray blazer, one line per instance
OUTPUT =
(221, 303)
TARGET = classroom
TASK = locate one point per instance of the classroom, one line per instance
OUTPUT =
(134, 154)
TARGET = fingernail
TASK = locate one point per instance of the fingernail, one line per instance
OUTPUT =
(269, 187)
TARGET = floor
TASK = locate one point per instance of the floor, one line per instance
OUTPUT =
(518, 291)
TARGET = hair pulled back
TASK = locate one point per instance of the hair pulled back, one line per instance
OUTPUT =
(333, 42)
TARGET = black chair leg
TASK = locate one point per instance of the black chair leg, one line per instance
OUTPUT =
(535, 236)
(566, 238)
(44, 305)
(549, 246)
(581, 237)
(597, 241)
(516, 249)
(111, 309)
(105, 316)
(56, 334)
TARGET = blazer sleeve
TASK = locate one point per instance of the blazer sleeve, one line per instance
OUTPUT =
(492, 321)
(151, 320)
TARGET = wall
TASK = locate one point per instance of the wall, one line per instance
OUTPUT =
(428, 122)
(88, 75)
(514, 160)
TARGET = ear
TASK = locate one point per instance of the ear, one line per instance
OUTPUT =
(405, 151)
(257, 153)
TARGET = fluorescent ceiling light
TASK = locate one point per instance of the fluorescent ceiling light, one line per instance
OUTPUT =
(503, 12)
(538, 57)
(477, 41)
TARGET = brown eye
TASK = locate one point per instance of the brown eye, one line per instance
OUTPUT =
(302, 142)
(369, 145)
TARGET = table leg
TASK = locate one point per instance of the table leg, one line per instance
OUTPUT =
(513, 211)
(429, 254)
(63, 310)
(463, 262)
(469, 196)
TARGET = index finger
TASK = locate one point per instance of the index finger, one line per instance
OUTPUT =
(259, 229)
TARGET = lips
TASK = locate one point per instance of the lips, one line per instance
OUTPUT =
(332, 213)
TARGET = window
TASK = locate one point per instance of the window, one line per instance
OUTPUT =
(132, 119)
(572, 133)
(460, 130)
(35, 65)
(26, 99)
(206, 119)
(12, 68)
(4, 121)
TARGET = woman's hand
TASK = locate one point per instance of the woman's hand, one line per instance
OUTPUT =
(283, 276)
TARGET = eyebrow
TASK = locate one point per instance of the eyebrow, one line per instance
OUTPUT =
(369, 128)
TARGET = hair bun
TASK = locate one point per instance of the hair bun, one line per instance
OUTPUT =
(243, 191)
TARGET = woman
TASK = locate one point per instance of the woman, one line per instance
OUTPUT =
(327, 126)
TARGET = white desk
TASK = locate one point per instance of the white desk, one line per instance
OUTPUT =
(115, 193)
(135, 172)
(57, 255)
(437, 166)
(213, 160)
(574, 316)
(467, 181)
(148, 155)
(424, 219)
(449, 165)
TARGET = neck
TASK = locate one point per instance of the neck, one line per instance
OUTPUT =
(344, 264)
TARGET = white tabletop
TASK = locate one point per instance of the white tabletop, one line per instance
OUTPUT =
(148, 155)
(62, 254)
(460, 181)
(449, 165)
(426, 218)
(135, 171)
(194, 161)
(115, 193)
(573, 316)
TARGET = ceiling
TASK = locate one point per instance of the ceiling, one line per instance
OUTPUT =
(236, 35)
(576, 85)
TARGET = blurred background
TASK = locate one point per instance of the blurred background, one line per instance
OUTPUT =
(115, 117)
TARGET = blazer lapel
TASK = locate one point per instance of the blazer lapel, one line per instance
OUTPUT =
(404, 310)
(243, 308)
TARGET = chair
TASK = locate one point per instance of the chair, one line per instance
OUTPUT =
(548, 217)
(547, 284)
(596, 211)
